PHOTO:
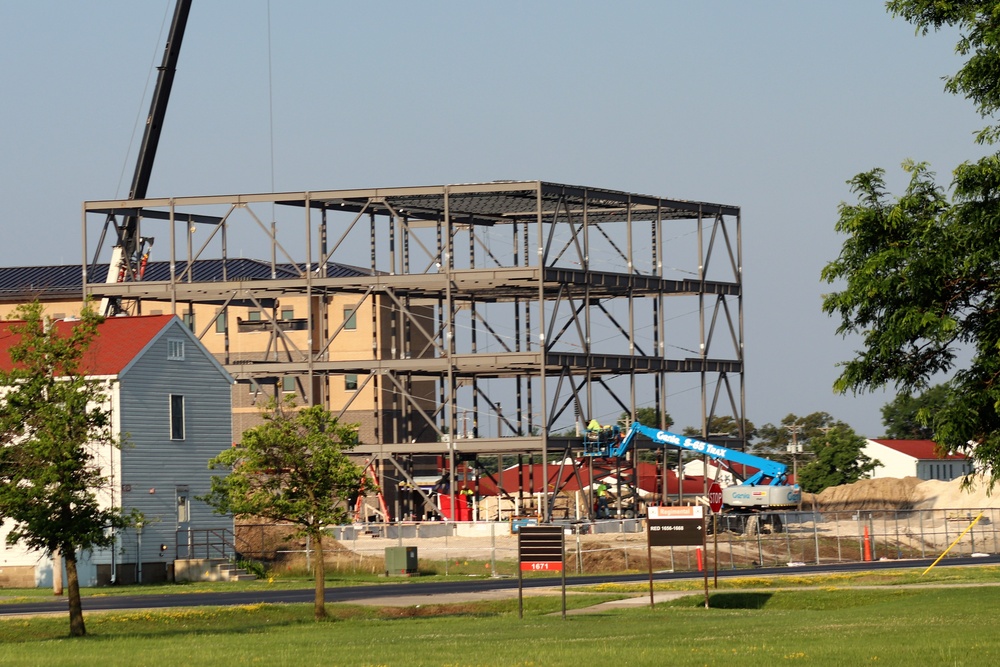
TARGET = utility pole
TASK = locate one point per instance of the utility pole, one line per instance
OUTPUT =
(795, 448)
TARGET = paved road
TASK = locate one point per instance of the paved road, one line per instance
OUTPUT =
(409, 592)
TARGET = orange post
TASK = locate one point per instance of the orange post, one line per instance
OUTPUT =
(868, 545)
(700, 564)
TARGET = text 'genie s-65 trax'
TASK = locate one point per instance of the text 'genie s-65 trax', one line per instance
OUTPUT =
(746, 499)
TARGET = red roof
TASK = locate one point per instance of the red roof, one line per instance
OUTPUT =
(918, 449)
(119, 340)
(530, 479)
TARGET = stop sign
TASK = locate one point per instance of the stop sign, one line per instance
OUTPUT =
(715, 497)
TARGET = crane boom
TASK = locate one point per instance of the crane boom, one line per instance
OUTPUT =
(130, 252)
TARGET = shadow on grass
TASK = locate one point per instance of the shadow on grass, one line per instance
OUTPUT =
(739, 600)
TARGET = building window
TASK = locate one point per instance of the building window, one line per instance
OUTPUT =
(350, 319)
(176, 417)
(288, 313)
(350, 382)
(175, 349)
(189, 319)
(253, 316)
(288, 384)
(220, 322)
(254, 387)
(156, 312)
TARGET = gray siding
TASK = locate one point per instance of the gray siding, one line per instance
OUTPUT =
(154, 465)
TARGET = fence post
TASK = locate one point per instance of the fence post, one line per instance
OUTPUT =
(836, 524)
(493, 550)
(621, 530)
(788, 539)
(947, 538)
(923, 541)
(579, 554)
(816, 535)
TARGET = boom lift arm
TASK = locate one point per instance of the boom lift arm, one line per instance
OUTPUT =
(777, 472)
(608, 443)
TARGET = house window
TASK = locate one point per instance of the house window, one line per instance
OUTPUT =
(253, 316)
(176, 417)
(288, 384)
(189, 319)
(350, 319)
(175, 349)
(288, 313)
(220, 322)
(350, 382)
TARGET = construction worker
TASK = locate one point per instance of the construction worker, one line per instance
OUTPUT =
(602, 500)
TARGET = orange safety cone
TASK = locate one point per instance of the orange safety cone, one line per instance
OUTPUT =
(700, 565)
(868, 545)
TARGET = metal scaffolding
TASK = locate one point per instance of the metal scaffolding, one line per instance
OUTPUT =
(530, 306)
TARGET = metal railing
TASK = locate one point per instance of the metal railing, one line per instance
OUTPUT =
(206, 543)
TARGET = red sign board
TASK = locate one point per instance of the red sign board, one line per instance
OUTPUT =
(544, 566)
(715, 498)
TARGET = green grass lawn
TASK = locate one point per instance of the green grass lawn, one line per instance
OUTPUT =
(828, 624)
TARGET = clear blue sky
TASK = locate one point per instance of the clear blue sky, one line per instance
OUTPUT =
(771, 106)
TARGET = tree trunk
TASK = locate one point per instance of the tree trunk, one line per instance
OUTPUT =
(76, 626)
(320, 573)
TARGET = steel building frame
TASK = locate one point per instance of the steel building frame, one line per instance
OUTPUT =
(556, 298)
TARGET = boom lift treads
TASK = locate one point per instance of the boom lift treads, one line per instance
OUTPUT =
(750, 496)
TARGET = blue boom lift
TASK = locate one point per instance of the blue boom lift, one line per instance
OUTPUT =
(764, 489)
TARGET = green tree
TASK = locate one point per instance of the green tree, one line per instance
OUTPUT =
(53, 422)
(647, 416)
(725, 425)
(921, 272)
(773, 441)
(292, 468)
(909, 417)
(839, 460)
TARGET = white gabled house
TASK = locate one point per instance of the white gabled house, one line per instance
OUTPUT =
(171, 401)
(915, 458)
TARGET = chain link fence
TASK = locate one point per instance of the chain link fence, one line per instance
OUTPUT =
(767, 540)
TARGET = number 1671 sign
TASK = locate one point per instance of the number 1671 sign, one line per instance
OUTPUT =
(530, 566)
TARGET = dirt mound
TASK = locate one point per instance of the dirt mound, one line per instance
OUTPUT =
(934, 494)
(902, 494)
(866, 494)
